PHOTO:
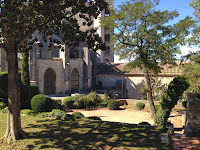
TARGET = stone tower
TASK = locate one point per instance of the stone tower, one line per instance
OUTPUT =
(107, 55)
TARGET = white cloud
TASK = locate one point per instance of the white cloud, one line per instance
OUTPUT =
(116, 60)
(186, 49)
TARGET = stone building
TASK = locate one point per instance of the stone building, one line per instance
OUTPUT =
(64, 70)
(111, 78)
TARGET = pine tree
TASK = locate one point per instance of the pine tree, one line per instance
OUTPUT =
(25, 79)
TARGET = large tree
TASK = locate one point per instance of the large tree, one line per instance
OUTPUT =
(19, 19)
(145, 37)
(195, 38)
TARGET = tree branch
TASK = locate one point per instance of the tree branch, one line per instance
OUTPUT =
(27, 36)
(128, 44)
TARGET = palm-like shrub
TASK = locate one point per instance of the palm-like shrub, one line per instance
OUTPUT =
(113, 104)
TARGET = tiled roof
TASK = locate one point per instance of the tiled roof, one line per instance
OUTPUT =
(117, 68)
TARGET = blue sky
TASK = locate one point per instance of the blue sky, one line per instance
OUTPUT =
(183, 8)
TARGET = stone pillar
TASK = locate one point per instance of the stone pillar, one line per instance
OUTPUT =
(67, 70)
(88, 66)
(192, 123)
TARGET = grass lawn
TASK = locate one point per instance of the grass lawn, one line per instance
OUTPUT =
(82, 134)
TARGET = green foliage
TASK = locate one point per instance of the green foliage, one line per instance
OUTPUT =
(68, 102)
(25, 81)
(4, 95)
(5, 110)
(157, 89)
(77, 115)
(95, 118)
(44, 114)
(145, 35)
(157, 107)
(170, 99)
(4, 86)
(140, 106)
(143, 92)
(27, 111)
(162, 116)
(34, 90)
(81, 102)
(25, 102)
(4, 81)
(25, 78)
(195, 40)
(42, 103)
(58, 114)
(113, 104)
(2, 105)
(94, 98)
(191, 70)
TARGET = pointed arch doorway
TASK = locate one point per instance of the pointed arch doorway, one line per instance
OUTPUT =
(49, 82)
(75, 80)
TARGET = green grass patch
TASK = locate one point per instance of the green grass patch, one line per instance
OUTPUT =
(82, 134)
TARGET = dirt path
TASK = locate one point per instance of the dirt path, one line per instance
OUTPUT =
(125, 116)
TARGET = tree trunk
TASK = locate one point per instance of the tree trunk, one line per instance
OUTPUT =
(149, 95)
(14, 130)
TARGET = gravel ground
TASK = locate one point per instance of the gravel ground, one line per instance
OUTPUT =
(127, 116)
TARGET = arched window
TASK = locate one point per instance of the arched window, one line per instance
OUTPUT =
(107, 12)
(49, 82)
(75, 80)
(106, 37)
(107, 49)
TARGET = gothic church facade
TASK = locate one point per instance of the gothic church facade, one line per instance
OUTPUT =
(57, 71)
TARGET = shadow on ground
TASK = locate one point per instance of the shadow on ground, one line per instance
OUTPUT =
(86, 134)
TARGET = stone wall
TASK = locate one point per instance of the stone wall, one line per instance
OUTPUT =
(192, 124)
(132, 84)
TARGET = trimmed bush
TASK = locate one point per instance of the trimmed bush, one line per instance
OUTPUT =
(169, 100)
(68, 102)
(57, 113)
(42, 103)
(45, 114)
(27, 111)
(2, 105)
(113, 104)
(94, 98)
(162, 117)
(77, 115)
(81, 102)
(67, 117)
(140, 106)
